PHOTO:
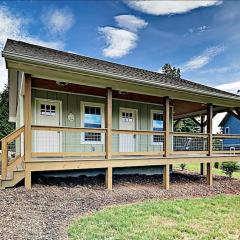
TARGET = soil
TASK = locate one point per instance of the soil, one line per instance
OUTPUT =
(46, 211)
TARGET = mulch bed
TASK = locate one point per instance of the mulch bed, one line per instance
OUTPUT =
(46, 211)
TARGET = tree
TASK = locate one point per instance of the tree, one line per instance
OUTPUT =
(170, 71)
(229, 168)
(187, 125)
(5, 126)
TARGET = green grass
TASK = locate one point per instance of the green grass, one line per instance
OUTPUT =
(206, 218)
(195, 167)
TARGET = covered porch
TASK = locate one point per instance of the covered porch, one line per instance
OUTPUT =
(71, 126)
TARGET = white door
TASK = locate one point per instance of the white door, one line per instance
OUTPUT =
(127, 142)
(47, 114)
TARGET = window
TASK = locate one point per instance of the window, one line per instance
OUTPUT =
(157, 125)
(92, 117)
(227, 130)
(48, 110)
(127, 117)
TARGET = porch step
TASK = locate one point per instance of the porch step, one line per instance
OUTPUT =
(12, 178)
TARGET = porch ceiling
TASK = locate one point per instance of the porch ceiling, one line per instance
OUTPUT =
(181, 108)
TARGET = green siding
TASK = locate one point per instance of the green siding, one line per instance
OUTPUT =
(71, 104)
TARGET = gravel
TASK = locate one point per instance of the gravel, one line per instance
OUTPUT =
(53, 203)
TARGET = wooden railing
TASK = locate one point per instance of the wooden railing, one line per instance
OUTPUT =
(147, 142)
(12, 149)
(67, 146)
(186, 143)
(226, 143)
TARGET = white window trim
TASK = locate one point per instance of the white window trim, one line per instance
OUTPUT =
(92, 104)
(225, 132)
(151, 120)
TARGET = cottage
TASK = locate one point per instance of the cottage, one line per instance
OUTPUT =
(75, 112)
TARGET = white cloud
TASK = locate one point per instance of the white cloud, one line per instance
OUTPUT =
(163, 7)
(119, 42)
(14, 27)
(58, 21)
(230, 87)
(198, 30)
(130, 22)
(203, 59)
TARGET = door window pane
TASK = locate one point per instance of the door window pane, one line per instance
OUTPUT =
(47, 110)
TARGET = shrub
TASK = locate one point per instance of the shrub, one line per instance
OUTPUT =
(182, 166)
(229, 168)
(216, 164)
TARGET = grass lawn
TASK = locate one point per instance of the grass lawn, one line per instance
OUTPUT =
(196, 168)
(206, 218)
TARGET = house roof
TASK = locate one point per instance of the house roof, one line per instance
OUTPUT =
(26, 51)
(226, 118)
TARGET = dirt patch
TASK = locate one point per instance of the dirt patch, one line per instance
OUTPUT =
(46, 211)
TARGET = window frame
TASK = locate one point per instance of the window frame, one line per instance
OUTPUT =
(226, 131)
(151, 121)
(82, 112)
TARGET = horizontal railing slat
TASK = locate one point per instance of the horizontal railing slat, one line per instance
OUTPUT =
(72, 129)
(121, 131)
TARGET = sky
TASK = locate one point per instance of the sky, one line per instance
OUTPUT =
(200, 37)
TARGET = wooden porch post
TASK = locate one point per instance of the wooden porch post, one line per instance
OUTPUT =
(209, 127)
(202, 129)
(209, 131)
(27, 123)
(108, 178)
(209, 174)
(166, 126)
(108, 142)
(166, 176)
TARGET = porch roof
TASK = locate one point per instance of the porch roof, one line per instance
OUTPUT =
(37, 54)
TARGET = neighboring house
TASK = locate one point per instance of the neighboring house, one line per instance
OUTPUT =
(74, 113)
(230, 125)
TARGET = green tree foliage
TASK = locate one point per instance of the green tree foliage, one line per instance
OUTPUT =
(170, 71)
(229, 168)
(187, 125)
(5, 126)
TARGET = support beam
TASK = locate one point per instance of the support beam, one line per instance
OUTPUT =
(28, 179)
(108, 118)
(209, 127)
(196, 121)
(166, 176)
(176, 124)
(202, 129)
(166, 126)
(108, 178)
(209, 174)
(27, 118)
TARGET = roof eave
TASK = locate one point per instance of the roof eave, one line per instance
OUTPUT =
(23, 58)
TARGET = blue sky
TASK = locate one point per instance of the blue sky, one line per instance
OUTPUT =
(200, 37)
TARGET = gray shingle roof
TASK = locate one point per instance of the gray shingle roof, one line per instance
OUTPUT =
(142, 76)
